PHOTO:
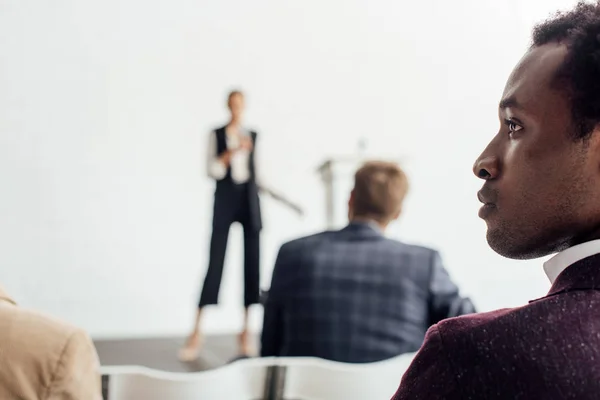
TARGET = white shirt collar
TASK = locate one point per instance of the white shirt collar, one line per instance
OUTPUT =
(557, 264)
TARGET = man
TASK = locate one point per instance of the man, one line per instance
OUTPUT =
(44, 359)
(354, 295)
(541, 195)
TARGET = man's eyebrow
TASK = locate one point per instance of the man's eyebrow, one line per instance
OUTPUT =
(509, 102)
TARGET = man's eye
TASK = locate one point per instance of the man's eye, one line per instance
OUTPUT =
(513, 126)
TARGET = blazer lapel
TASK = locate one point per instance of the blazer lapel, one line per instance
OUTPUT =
(582, 275)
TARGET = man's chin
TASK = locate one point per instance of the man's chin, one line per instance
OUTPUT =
(508, 245)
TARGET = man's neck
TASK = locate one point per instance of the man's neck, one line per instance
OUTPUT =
(365, 220)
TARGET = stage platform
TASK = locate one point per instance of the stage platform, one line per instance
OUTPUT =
(161, 353)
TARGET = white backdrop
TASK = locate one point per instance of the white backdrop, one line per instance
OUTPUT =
(105, 106)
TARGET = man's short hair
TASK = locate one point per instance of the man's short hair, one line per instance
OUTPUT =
(579, 30)
(379, 189)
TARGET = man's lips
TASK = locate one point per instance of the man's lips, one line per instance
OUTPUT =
(482, 199)
(485, 210)
(487, 196)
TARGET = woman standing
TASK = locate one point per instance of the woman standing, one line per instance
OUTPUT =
(231, 162)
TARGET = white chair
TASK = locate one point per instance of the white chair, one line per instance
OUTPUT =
(316, 379)
(241, 380)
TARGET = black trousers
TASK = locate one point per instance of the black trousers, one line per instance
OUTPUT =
(232, 208)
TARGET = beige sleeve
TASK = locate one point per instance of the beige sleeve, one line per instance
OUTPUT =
(76, 376)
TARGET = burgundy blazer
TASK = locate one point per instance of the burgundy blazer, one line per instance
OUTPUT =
(548, 349)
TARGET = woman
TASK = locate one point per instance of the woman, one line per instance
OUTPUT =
(231, 162)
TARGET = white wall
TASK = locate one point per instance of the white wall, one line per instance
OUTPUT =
(105, 105)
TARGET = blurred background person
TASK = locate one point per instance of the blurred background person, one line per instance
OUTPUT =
(231, 161)
(354, 295)
(44, 358)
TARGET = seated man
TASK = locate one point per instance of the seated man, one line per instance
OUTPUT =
(354, 295)
(44, 359)
(541, 196)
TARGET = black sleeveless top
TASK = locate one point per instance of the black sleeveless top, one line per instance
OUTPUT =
(223, 192)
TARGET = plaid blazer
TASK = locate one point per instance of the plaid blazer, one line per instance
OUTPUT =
(355, 296)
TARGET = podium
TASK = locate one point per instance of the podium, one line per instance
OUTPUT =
(337, 175)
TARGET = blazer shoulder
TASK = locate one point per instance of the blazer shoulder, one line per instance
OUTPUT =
(76, 375)
(447, 357)
(28, 324)
(412, 249)
(432, 372)
(51, 337)
(306, 241)
(465, 323)
(466, 332)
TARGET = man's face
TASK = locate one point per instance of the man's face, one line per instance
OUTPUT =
(236, 105)
(542, 189)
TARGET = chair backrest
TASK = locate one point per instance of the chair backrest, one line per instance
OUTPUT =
(241, 380)
(316, 379)
(305, 378)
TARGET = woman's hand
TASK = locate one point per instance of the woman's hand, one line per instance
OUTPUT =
(246, 143)
(225, 157)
